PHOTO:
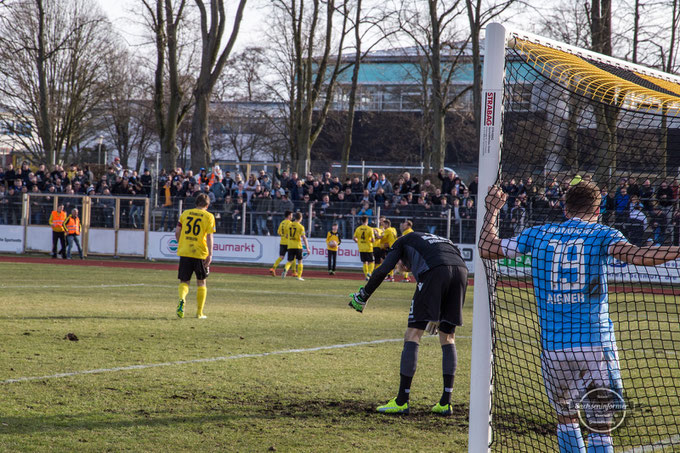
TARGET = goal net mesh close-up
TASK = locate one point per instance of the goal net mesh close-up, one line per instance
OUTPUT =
(571, 117)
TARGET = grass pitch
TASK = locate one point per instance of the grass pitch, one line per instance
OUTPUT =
(318, 400)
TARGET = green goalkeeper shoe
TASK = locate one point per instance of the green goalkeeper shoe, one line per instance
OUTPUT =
(442, 410)
(180, 309)
(393, 408)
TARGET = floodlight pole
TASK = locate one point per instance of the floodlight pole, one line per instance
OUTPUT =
(489, 159)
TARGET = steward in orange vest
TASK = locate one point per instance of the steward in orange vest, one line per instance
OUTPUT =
(57, 223)
(57, 219)
(72, 224)
(72, 229)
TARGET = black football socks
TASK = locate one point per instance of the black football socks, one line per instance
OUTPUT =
(409, 361)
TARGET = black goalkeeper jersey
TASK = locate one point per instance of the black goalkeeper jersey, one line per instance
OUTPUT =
(420, 252)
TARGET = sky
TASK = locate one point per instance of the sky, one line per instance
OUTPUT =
(122, 15)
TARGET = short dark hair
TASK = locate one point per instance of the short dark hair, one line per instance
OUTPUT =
(364, 218)
(298, 216)
(287, 213)
(583, 198)
(202, 200)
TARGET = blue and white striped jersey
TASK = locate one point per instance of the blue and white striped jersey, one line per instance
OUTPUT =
(568, 263)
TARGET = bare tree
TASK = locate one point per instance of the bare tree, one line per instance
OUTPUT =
(144, 132)
(213, 24)
(479, 14)
(126, 117)
(569, 23)
(308, 58)
(171, 104)
(669, 56)
(363, 25)
(351, 105)
(600, 19)
(242, 78)
(668, 59)
(50, 53)
(440, 45)
(244, 131)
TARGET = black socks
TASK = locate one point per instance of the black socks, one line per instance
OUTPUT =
(449, 363)
(409, 361)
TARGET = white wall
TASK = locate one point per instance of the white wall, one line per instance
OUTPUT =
(11, 239)
(38, 238)
(101, 241)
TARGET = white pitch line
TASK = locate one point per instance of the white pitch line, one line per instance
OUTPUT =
(206, 360)
(656, 446)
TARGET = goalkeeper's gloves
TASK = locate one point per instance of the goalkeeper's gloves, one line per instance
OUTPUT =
(432, 327)
(358, 300)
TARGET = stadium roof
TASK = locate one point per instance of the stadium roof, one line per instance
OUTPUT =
(448, 52)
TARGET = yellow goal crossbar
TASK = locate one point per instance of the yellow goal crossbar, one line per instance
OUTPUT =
(593, 81)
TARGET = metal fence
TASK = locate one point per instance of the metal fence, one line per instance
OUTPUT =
(118, 226)
(233, 218)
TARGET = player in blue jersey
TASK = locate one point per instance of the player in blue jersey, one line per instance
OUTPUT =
(579, 359)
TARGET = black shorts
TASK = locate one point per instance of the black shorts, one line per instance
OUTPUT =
(294, 254)
(282, 249)
(188, 266)
(378, 254)
(439, 296)
(366, 257)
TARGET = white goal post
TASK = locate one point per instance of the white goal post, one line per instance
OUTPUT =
(489, 160)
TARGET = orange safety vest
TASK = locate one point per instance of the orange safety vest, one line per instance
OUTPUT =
(211, 180)
(73, 226)
(57, 220)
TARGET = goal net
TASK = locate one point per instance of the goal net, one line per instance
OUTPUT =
(569, 115)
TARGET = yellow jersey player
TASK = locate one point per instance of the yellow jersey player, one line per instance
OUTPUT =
(283, 244)
(406, 227)
(296, 236)
(377, 250)
(389, 236)
(194, 234)
(365, 238)
(332, 243)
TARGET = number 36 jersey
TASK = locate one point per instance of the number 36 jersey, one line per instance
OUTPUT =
(196, 224)
(568, 267)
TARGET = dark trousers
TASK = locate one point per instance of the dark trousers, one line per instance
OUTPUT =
(60, 237)
(332, 259)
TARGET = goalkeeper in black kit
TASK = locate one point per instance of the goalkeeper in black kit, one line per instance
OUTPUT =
(437, 305)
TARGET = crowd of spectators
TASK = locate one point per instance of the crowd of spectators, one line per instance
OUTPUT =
(69, 182)
(645, 210)
(264, 198)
